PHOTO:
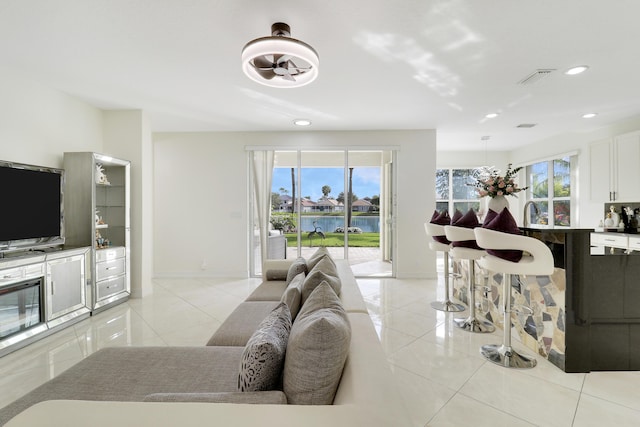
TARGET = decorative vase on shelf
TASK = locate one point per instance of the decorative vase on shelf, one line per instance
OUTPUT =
(498, 203)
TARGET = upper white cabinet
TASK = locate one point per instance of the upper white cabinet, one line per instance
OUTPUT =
(615, 169)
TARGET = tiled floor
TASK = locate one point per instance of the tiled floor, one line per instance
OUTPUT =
(443, 379)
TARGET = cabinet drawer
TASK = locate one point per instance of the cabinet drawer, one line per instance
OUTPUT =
(11, 275)
(634, 243)
(111, 286)
(110, 254)
(108, 269)
(609, 239)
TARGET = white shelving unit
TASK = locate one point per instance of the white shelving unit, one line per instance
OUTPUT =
(97, 213)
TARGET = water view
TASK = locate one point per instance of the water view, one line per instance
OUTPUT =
(368, 224)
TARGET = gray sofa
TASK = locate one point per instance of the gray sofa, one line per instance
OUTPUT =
(343, 378)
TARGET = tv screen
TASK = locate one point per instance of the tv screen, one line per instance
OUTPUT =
(31, 201)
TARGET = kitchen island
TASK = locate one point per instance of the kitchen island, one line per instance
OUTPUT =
(586, 315)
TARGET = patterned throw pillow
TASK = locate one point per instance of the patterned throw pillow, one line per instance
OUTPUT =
(263, 357)
(505, 223)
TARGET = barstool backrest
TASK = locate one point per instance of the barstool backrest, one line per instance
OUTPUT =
(434, 229)
(537, 261)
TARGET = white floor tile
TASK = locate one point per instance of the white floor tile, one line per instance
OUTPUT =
(534, 400)
(594, 412)
(462, 411)
(442, 377)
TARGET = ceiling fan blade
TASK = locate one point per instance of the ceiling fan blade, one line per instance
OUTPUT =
(266, 72)
(282, 58)
(288, 77)
(293, 66)
(262, 62)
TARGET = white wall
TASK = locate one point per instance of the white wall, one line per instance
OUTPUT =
(38, 124)
(201, 199)
(127, 135)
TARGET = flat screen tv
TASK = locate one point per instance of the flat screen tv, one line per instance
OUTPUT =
(31, 207)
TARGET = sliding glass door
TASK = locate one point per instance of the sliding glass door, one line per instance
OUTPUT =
(340, 199)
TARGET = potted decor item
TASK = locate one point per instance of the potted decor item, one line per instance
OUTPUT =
(490, 183)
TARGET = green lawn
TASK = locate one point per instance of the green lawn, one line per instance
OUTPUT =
(364, 240)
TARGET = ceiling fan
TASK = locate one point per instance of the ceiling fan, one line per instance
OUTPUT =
(279, 60)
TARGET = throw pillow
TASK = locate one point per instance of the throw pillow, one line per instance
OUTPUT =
(441, 218)
(324, 271)
(292, 296)
(468, 220)
(456, 216)
(491, 214)
(321, 253)
(298, 266)
(505, 223)
(317, 350)
(263, 357)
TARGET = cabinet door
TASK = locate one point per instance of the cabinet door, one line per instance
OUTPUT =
(65, 285)
(600, 185)
(627, 168)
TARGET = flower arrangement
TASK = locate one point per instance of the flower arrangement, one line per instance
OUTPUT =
(490, 183)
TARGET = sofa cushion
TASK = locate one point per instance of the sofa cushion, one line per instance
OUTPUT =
(298, 266)
(505, 223)
(268, 291)
(317, 349)
(242, 323)
(263, 356)
(321, 253)
(292, 296)
(274, 397)
(324, 271)
(129, 374)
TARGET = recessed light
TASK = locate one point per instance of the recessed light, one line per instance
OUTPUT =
(576, 70)
(302, 122)
(589, 115)
(492, 115)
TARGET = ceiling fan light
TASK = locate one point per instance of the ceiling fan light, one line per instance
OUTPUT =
(281, 45)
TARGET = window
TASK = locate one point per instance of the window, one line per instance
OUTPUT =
(550, 189)
(453, 190)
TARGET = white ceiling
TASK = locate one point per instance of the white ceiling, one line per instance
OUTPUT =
(401, 64)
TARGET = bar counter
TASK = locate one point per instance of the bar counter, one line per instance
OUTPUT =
(585, 316)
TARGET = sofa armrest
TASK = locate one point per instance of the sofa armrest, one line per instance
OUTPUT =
(274, 397)
(276, 269)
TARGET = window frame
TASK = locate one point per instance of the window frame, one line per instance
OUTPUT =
(551, 198)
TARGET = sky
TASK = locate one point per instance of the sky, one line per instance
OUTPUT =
(366, 181)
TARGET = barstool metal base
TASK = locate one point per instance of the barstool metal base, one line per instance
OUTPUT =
(506, 356)
(448, 306)
(473, 324)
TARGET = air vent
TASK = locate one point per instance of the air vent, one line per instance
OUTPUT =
(526, 125)
(536, 76)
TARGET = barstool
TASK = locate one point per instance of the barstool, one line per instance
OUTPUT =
(537, 260)
(435, 230)
(463, 234)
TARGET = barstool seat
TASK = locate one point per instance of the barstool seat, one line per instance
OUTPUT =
(458, 235)
(436, 230)
(537, 259)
